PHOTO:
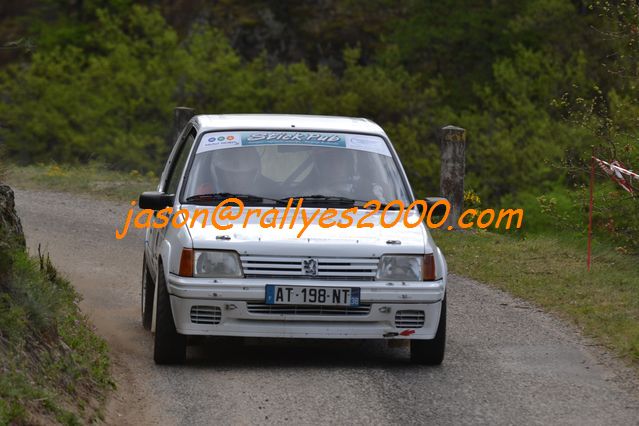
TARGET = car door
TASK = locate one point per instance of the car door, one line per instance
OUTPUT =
(169, 183)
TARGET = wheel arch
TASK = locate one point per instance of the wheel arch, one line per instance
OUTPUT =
(160, 270)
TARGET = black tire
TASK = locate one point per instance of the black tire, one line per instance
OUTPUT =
(148, 291)
(170, 346)
(431, 352)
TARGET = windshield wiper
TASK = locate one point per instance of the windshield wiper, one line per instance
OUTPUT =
(334, 199)
(320, 197)
(329, 199)
(224, 195)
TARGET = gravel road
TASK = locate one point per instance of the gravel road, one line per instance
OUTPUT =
(507, 362)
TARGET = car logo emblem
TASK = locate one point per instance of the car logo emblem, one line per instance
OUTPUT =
(309, 266)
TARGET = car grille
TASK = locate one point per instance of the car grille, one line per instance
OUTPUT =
(327, 268)
(261, 308)
(409, 319)
(206, 315)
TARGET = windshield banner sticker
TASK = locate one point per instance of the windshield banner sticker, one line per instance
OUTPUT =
(222, 140)
(293, 138)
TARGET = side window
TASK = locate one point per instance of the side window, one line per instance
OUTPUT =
(178, 165)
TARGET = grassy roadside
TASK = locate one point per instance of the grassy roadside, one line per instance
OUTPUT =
(550, 270)
(94, 179)
(53, 367)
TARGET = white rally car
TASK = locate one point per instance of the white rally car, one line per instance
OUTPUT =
(259, 277)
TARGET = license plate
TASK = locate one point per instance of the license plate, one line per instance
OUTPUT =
(297, 295)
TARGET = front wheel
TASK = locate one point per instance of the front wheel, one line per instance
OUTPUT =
(170, 346)
(431, 352)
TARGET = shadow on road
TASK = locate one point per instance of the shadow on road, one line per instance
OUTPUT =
(321, 353)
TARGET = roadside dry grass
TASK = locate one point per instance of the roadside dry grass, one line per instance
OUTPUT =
(94, 179)
(550, 270)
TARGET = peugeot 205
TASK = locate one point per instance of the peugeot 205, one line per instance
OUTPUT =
(297, 280)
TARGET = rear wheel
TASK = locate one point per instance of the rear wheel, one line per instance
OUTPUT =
(431, 352)
(148, 290)
(170, 346)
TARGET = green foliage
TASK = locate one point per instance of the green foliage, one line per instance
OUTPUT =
(615, 216)
(514, 144)
(72, 106)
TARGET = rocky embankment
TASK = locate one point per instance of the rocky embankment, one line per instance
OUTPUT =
(11, 235)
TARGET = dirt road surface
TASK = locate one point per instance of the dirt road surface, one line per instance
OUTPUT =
(506, 362)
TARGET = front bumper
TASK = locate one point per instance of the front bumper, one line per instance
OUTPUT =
(233, 302)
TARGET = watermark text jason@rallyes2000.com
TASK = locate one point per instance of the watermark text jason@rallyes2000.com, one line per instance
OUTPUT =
(232, 211)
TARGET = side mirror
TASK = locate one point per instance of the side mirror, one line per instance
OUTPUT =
(155, 200)
(440, 209)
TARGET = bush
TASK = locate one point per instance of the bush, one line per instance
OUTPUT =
(111, 102)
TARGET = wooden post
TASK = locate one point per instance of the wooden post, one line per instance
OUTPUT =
(181, 116)
(453, 166)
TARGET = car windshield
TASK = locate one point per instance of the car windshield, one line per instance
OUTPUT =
(325, 168)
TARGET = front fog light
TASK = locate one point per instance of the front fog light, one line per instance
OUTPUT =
(217, 264)
(400, 268)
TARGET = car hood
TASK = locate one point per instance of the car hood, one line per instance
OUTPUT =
(315, 240)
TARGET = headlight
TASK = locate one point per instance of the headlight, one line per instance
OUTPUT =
(217, 264)
(400, 268)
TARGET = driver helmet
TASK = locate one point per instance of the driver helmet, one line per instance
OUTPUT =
(236, 169)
